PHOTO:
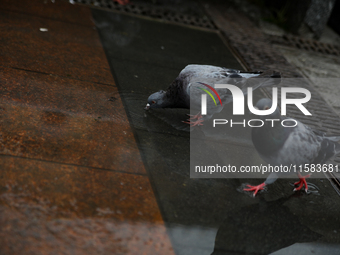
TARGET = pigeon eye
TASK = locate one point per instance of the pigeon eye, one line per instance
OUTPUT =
(153, 102)
(266, 108)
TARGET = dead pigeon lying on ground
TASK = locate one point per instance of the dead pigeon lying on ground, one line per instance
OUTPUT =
(288, 146)
(187, 88)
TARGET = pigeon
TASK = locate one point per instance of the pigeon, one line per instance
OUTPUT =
(186, 90)
(289, 146)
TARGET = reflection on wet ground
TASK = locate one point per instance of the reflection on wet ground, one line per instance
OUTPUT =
(281, 226)
(206, 216)
(75, 181)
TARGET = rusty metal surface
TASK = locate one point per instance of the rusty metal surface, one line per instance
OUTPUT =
(78, 236)
(66, 191)
(66, 12)
(66, 49)
(49, 208)
(64, 120)
(72, 179)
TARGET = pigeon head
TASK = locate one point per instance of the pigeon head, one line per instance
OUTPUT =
(266, 104)
(157, 100)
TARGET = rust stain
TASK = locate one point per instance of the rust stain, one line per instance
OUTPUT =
(49, 207)
(53, 117)
(66, 121)
(47, 9)
(71, 191)
(59, 127)
(67, 49)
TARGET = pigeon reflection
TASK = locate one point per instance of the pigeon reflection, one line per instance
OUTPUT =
(195, 80)
(299, 145)
(261, 228)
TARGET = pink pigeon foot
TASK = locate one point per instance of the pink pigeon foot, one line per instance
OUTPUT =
(194, 123)
(301, 182)
(197, 116)
(255, 188)
(195, 120)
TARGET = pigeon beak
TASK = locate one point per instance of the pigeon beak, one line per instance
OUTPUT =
(147, 107)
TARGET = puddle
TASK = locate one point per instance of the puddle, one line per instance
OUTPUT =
(312, 189)
(192, 206)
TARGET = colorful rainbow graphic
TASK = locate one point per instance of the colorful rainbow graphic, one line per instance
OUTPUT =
(213, 90)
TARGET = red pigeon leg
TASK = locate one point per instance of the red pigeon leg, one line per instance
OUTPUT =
(255, 188)
(301, 182)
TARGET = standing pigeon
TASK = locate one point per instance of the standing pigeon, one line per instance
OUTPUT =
(186, 89)
(286, 146)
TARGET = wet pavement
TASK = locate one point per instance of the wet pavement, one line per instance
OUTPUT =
(84, 169)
